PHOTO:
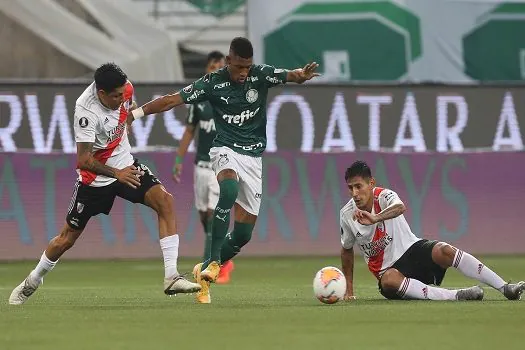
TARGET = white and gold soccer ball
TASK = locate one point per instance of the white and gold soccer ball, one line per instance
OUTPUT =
(329, 285)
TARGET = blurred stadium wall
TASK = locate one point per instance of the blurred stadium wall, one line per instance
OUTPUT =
(443, 126)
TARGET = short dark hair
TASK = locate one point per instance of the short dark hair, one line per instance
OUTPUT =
(241, 47)
(109, 76)
(358, 168)
(214, 56)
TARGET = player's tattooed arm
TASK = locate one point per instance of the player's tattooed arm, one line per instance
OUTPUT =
(300, 75)
(390, 212)
(347, 265)
(86, 161)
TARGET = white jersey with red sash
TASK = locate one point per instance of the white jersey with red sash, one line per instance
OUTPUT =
(382, 244)
(106, 129)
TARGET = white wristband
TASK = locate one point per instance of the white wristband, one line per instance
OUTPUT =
(137, 113)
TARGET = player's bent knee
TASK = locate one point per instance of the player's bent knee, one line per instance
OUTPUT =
(443, 254)
(391, 279)
(226, 174)
(161, 201)
(229, 189)
(166, 202)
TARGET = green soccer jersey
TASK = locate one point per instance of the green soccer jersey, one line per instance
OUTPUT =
(239, 110)
(200, 115)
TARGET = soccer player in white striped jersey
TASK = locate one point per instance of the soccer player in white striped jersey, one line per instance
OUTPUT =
(406, 267)
(106, 170)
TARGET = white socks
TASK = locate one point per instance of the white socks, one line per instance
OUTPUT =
(414, 289)
(473, 268)
(43, 267)
(170, 252)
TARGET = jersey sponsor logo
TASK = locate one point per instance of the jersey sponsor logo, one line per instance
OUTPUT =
(252, 95)
(375, 248)
(83, 122)
(258, 196)
(249, 147)
(221, 85)
(225, 99)
(201, 107)
(116, 132)
(252, 78)
(274, 80)
(240, 119)
(195, 95)
(188, 89)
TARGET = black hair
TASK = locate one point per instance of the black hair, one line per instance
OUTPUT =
(358, 168)
(241, 47)
(215, 56)
(109, 76)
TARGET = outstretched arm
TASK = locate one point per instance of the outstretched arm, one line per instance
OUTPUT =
(158, 105)
(300, 75)
(193, 93)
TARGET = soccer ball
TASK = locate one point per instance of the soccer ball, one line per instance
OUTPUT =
(329, 285)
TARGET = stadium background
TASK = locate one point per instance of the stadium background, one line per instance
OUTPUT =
(438, 124)
(429, 92)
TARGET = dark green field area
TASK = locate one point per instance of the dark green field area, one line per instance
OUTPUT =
(269, 305)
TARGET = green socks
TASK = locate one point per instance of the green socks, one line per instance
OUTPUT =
(241, 234)
(229, 189)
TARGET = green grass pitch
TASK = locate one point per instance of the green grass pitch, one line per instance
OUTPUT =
(269, 305)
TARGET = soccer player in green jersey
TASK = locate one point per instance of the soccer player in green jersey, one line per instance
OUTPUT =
(200, 123)
(237, 94)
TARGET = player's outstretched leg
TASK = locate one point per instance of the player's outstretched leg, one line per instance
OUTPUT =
(57, 246)
(161, 201)
(447, 255)
(394, 285)
(229, 189)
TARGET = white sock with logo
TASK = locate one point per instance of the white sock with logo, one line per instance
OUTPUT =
(42, 268)
(170, 251)
(414, 289)
(473, 268)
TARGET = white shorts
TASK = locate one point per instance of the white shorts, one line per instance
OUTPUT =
(249, 175)
(205, 186)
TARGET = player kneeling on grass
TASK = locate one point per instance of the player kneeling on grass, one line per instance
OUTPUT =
(404, 265)
(106, 169)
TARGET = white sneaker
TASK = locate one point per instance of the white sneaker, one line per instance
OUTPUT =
(24, 290)
(179, 284)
